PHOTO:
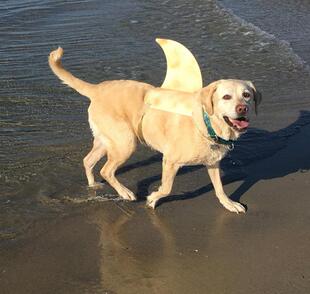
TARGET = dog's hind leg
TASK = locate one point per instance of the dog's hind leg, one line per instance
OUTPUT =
(97, 152)
(122, 144)
(169, 171)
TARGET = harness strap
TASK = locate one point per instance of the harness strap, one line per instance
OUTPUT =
(211, 132)
(139, 130)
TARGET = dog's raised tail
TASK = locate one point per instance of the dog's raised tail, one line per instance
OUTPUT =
(54, 60)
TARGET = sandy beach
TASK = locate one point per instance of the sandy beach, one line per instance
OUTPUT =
(191, 245)
(59, 236)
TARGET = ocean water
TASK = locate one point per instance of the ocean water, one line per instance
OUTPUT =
(43, 124)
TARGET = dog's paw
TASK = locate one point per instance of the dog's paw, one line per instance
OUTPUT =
(96, 185)
(127, 194)
(233, 206)
(152, 200)
(151, 203)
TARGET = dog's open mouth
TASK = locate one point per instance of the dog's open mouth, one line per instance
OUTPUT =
(240, 124)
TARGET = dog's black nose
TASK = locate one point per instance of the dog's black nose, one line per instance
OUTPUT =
(242, 109)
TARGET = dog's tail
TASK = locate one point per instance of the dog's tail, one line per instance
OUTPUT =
(84, 88)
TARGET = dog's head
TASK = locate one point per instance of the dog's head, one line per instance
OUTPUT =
(229, 103)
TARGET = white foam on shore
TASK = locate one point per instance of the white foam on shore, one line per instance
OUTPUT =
(267, 38)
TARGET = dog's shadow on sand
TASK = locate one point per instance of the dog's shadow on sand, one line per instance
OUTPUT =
(288, 153)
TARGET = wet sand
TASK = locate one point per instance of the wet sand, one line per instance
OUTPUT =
(191, 245)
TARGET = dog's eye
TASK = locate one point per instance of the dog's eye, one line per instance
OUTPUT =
(226, 97)
(246, 94)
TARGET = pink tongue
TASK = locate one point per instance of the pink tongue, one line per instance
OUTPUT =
(240, 124)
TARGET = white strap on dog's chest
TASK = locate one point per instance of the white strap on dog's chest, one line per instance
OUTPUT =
(168, 100)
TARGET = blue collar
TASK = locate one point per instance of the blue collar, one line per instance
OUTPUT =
(214, 136)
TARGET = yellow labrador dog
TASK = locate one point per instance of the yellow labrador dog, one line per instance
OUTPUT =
(118, 116)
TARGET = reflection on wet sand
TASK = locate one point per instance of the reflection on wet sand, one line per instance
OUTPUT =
(135, 258)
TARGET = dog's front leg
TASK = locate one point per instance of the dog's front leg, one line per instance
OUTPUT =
(169, 171)
(214, 173)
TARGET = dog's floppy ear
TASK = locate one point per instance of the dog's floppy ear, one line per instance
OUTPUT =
(205, 97)
(257, 95)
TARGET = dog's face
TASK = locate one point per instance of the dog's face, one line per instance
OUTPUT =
(230, 102)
